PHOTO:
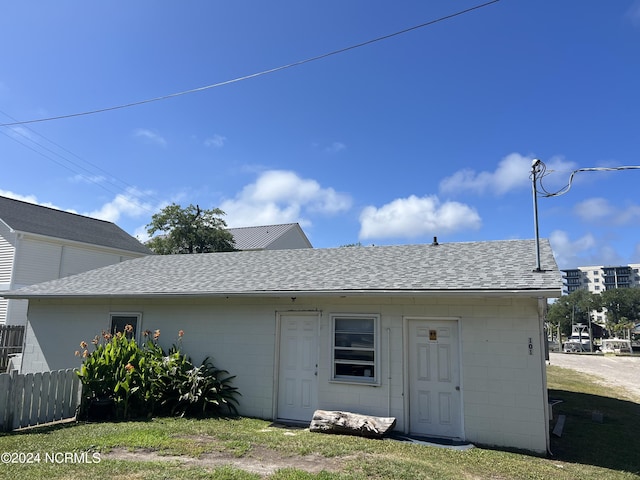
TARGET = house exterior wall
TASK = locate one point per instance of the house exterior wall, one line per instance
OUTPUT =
(35, 260)
(7, 252)
(7, 255)
(503, 383)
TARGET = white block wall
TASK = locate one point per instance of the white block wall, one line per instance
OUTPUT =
(503, 381)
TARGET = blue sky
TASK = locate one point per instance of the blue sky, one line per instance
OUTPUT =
(428, 133)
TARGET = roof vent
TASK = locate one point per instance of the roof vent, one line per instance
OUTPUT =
(435, 241)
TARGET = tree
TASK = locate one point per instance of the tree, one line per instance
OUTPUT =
(189, 230)
(358, 244)
(623, 308)
(572, 308)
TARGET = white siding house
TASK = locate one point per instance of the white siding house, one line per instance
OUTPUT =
(38, 244)
(447, 338)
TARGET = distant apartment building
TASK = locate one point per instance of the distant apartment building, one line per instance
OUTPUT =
(597, 279)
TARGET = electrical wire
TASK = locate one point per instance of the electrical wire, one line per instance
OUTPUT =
(541, 172)
(75, 167)
(254, 75)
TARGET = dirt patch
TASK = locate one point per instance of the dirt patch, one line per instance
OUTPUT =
(259, 460)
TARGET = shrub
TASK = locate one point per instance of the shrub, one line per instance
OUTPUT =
(135, 381)
(184, 389)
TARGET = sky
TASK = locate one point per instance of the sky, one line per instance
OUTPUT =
(430, 132)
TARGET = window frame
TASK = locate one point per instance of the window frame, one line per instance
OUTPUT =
(136, 328)
(375, 378)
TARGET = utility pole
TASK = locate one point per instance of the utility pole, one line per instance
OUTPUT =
(535, 165)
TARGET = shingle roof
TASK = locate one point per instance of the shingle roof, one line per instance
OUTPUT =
(455, 267)
(261, 237)
(29, 218)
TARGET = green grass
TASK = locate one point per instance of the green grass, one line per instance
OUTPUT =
(614, 443)
(587, 450)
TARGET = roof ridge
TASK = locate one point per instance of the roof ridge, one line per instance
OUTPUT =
(263, 226)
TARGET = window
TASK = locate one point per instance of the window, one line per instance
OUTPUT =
(597, 280)
(597, 287)
(355, 348)
(120, 320)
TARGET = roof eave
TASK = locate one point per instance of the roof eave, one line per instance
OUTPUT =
(68, 241)
(531, 293)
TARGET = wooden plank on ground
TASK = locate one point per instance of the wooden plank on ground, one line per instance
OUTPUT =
(557, 430)
(351, 424)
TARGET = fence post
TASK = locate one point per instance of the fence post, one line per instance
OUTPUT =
(11, 401)
(33, 399)
(5, 389)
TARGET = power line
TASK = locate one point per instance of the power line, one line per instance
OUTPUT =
(254, 75)
(542, 172)
(75, 167)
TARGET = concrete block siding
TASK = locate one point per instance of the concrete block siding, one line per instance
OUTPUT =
(502, 387)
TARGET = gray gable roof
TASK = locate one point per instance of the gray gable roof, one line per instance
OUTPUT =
(498, 266)
(36, 219)
(262, 237)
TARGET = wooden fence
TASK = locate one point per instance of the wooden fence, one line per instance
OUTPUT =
(11, 338)
(37, 398)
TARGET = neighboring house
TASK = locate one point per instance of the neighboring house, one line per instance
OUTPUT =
(447, 338)
(270, 237)
(38, 244)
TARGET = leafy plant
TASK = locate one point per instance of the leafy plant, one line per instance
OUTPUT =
(184, 389)
(144, 380)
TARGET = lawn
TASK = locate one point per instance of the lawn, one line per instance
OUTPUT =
(251, 449)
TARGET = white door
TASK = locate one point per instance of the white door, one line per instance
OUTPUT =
(434, 379)
(298, 368)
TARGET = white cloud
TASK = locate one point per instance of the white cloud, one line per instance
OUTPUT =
(216, 141)
(280, 196)
(150, 136)
(29, 199)
(601, 210)
(141, 234)
(594, 209)
(512, 173)
(568, 253)
(413, 217)
(127, 204)
(17, 196)
(585, 250)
